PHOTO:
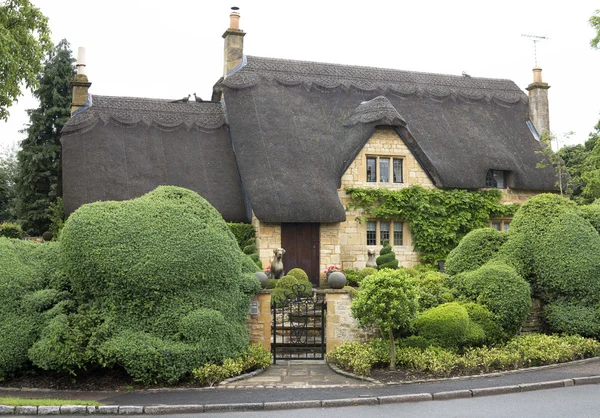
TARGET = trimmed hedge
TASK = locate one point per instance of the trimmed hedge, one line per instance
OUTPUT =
(242, 232)
(433, 288)
(592, 214)
(573, 318)
(164, 278)
(498, 287)
(11, 230)
(449, 326)
(474, 250)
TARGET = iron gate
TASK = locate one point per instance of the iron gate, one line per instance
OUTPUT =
(298, 329)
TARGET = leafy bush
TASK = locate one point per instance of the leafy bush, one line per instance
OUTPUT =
(11, 230)
(242, 232)
(387, 258)
(166, 279)
(352, 276)
(482, 316)
(367, 271)
(592, 214)
(499, 288)
(449, 326)
(271, 283)
(433, 288)
(255, 357)
(298, 273)
(357, 357)
(474, 250)
(387, 300)
(573, 318)
(289, 287)
(24, 304)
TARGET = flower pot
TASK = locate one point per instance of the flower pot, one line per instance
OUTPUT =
(336, 280)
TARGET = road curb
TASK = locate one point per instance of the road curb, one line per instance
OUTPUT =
(269, 406)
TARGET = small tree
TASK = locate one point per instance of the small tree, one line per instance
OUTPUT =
(387, 257)
(555, 160)
(387, 300)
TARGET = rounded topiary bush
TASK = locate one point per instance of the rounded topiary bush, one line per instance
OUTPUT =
(433, 288)
(449, 326)
(387, 258)
(146, 264)
(474, 250)
(298, 273)
(592, 214)
(367, 271)
(498, 287)
(483, 317)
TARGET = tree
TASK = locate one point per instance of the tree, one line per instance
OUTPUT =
(24, 41)
(387, 300)
(39, 184)
(8, 176)
(554, 159)
(595, 23)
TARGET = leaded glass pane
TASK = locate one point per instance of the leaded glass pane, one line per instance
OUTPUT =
(398, 233)
(371, 233)
(384, 232)
(499, 179)
(384, 170)
(397, 170)
(496, 225)
(371, 169)
(506, 225)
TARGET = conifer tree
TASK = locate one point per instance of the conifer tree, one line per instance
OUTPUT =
(39, 182)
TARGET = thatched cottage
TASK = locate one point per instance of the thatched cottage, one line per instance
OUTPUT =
(281, 141)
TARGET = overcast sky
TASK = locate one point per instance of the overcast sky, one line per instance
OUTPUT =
(174, 48)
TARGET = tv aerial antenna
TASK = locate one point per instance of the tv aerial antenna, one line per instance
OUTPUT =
(535, 39)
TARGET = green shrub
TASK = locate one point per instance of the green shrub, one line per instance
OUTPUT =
(242, 232)
(387, 300)
(356, 357)
(474, 250)
(164, 273)
(250, 249)
(271, 283)
(433, 288)
(298, 273)
(387, 258)
(367, 271)
(573, 318)
(415, 341)
(11, 230)
(448, 326)
(24, 304)
(482, 316)
(286, 282)
(352, 276)
(499, 288)
(592, 214)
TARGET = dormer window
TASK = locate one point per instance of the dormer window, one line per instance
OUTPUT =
(496, 179)
(384, 170)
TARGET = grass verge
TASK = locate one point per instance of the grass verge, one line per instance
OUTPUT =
(45, 402)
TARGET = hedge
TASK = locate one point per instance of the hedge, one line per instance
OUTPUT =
(592, 214)
(474, 250)
(573, 318)
(498, 287)
(144, 267)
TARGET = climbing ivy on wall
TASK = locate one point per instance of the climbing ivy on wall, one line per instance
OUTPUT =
(437, 218)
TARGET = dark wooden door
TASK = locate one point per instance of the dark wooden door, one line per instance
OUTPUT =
(301, 244)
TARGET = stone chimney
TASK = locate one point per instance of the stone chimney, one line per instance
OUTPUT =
(80, 83)
(538, 102)
(234, 42)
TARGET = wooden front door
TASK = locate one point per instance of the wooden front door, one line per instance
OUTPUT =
(302, 245)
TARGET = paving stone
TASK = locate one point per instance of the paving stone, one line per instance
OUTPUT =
(269, 406)
(349, 402)
(26, 410)
(416, 397)
(108, 410)
(73, 409)
(173, 409)
(131, 410)
(48, 410)
(7, 410)
(498, 390)
(234, 407)
(526, 387)
(452, 394)
(589, 380)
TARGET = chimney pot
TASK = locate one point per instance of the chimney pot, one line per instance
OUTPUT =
(234, 20)
(81, 60)
(537, 75)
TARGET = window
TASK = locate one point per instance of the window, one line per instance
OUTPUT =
(371, 233)
(389, 168)
(496, 179)
(371, 169)
(500, 224)
(397, 233)
(384, 232)
(390, 231)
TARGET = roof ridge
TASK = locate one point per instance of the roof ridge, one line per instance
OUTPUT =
(392, 70)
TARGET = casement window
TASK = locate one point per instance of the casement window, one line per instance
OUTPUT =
(496, 179)
(380, 231)
(500, 224)
(384, 170)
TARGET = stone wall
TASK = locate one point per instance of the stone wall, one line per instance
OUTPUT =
(517, 196)
(385, 142)
(268, 237)
(259, 326)
(533, 322)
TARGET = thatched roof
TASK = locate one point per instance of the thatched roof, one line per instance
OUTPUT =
(120, 148)
(296, 126)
